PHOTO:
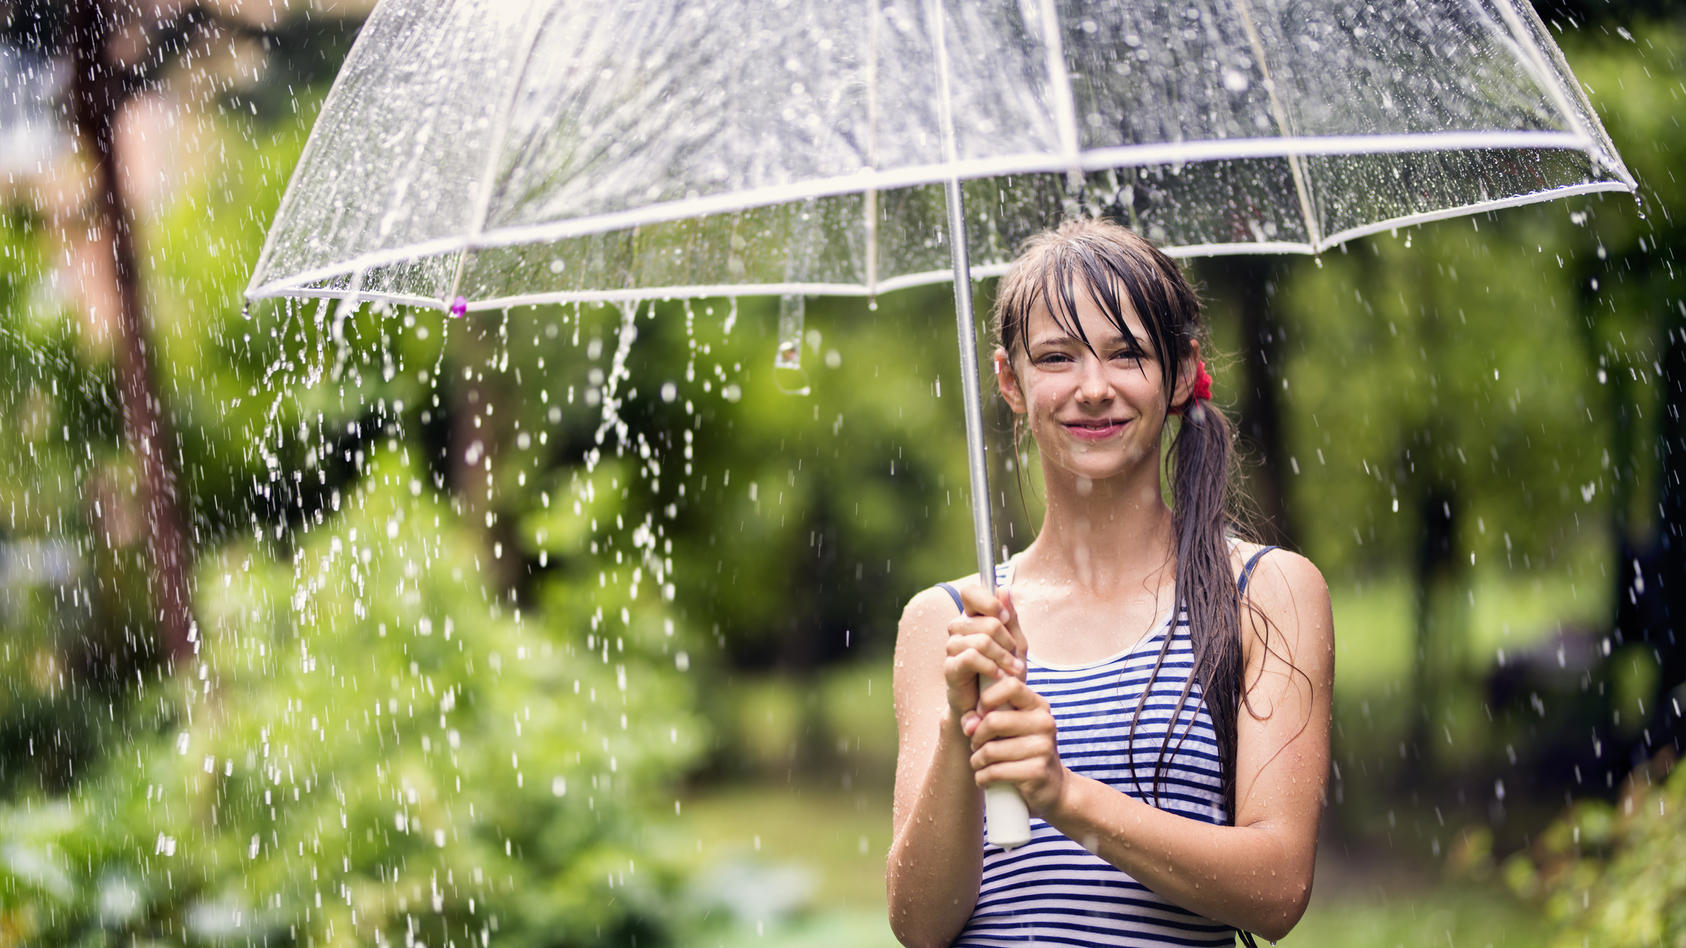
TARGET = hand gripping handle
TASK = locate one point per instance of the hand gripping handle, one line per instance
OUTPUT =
(1005, 815)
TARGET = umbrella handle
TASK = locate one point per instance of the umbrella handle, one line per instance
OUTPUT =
(1006, 816)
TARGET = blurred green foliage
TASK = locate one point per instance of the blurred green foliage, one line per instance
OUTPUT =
(478, 597)
(1611, 873)
(380, 741)
(1509, 357)
(344, 767)
(460, 584)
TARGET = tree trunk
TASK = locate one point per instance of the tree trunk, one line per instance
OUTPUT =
(476, 436)
(1440, 619)
(1670, 583)
(97, 98)
(1250, 283)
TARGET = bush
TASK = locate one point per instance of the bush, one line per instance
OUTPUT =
(373, 750)
(1611, 874)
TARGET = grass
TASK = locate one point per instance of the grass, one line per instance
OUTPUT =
(821, 848)
(838, 836)
(1375, 638)
(1450, 915)
(837, 839)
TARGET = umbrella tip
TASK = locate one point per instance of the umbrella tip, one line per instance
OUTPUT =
(459, 306)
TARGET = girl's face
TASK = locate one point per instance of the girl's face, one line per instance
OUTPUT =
(1096, 411)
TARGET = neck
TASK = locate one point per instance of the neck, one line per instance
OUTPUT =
(1104, 536)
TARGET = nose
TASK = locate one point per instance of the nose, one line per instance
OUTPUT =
(1092, 384)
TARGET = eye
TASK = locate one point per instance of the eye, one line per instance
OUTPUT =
(1052, 358)
(1131, 354)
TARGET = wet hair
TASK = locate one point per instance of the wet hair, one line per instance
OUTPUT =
(1122, 272)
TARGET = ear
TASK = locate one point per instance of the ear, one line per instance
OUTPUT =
(1008, 382)
(1186, 372)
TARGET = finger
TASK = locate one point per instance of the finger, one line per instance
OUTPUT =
(989, 646)
(1003, 663)
(961, 673)
(1035, 747)
(1024, 698)
(978, 601)
(1017, 773)
(1001, 724)
(1010, 693)
(1001, 632)
(989, 662)
(964, 667)
(969, 722)
(1002, 625)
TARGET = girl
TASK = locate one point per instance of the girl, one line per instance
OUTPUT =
(1162, 689)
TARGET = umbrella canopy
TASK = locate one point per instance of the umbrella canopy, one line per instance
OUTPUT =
(524, 151)
(478, 154)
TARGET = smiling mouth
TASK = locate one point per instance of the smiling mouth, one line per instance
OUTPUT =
(1100, 428)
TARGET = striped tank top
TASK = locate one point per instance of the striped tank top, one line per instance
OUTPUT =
(1051, 891)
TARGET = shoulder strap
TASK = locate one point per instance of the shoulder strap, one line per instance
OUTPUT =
(1247, 568)
(1002, 575)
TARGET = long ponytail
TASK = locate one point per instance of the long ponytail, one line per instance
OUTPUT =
(1201, 520)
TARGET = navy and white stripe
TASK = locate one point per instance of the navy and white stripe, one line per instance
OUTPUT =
(1052, 891)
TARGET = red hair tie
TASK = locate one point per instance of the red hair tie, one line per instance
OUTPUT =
(1202, 388)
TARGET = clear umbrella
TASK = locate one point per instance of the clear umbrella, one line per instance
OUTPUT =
(479, 154)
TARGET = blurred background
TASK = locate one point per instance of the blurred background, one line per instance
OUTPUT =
(572, 626)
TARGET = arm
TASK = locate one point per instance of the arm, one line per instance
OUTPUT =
(1255, 875)
(936, 852)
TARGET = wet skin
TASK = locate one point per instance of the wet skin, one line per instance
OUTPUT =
(1098, 414)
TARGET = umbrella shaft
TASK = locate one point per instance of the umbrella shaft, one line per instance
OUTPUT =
(983, 529)
(1006, 815)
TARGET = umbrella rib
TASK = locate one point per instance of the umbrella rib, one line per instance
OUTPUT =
(488, 180)
(1548, 80)
(319, 130)
(1314, 233)
(869, 211)
(1059, 83)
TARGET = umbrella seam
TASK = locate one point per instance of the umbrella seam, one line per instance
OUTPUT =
(1549, 80)
(1313, 231)
(488, 181)
(869, 202)
(312, 142)
(1059, 83)
(1098, 159)
(1479, 207)
(926, 277)
(1537, 70)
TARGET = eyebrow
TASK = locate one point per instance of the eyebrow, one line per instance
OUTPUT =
(1066, 338)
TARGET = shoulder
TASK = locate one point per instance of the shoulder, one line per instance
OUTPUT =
(921, 647)
(1280, 572)
(1288, 593)
(932, 607)
(1274, 569)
